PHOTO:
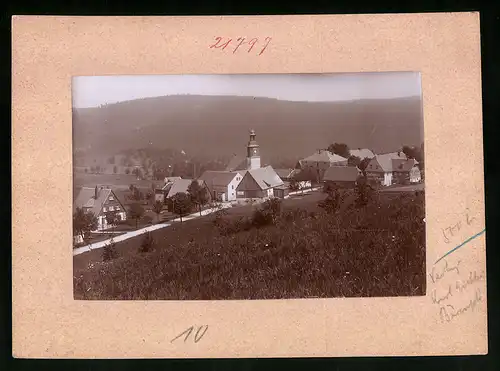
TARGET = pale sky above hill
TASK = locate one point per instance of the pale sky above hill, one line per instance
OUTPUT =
(91, 91)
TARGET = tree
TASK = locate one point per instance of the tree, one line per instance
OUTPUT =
(329, 188)
(83, 222)
(363, 165)
(181, 204)
(340, 149)
(109, 251)
(268, 213)
(353, 161)
(363, 191)
(157, 208)
(111, 219)
(115, 169)
(147, 242)
(198, 194)
(136, 212)
(332, 202)
(127, 171)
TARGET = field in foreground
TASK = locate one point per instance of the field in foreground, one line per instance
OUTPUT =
(376, 250)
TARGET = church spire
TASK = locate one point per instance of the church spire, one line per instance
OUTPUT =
(253, 152)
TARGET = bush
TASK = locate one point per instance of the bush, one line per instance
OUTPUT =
(364, 194)
(331, 203)
(109, 251)
(268, 213)
(147, 243)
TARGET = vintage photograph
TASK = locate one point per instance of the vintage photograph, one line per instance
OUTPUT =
(248, 186)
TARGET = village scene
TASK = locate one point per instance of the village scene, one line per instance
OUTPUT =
(340, 221)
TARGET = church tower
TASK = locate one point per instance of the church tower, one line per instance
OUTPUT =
(253, 153)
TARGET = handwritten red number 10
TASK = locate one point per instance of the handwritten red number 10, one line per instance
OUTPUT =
(220, 44)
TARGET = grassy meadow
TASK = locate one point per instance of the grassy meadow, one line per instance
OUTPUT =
(303, 252)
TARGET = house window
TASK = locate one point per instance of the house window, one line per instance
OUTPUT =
(232, 187)
(111, 198)
(104, 209)
(111, 208)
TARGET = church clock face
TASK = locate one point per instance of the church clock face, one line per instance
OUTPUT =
(254, 151)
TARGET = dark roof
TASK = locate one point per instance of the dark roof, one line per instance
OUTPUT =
(284, 173)
(341, 174)
(181, 186)
(86, 199)
(218, 178)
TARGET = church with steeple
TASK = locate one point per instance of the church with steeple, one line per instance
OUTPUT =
(245, 178)
(252, 160)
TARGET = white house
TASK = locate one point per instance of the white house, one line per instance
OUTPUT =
(393, 168)
(222, 184)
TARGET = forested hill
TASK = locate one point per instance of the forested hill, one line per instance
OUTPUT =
(215, 126)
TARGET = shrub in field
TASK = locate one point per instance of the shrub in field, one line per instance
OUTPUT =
(268, 213)
(331, 203)
(147, 242)
(364, 192)
(109, 251)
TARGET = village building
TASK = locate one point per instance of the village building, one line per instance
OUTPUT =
(286, 175)
(161, 193)
(362, 153)
(342, 177)
(245, 178)
(100, 201)
(319, 162)
(222, 184)
(182, 186)
(259, 183)
(393, 168)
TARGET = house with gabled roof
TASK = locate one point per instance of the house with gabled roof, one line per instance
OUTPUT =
(342, 176)
(362, 153)
(320, 161)
(162, 192)
(182, 186)
(100, 201)
(222, 184)
(285, 174)
(258, 183)
(392, 168)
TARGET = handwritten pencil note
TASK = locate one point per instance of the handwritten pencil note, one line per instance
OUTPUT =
(197, 335)
(241, 44)
(455, 288)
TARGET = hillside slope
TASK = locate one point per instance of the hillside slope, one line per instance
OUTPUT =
(218, 125)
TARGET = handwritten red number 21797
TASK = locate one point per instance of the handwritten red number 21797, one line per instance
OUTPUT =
(239, 42)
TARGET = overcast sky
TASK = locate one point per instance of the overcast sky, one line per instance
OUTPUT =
(90, 91)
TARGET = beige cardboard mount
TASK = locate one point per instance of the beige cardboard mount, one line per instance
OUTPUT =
(48, 51)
